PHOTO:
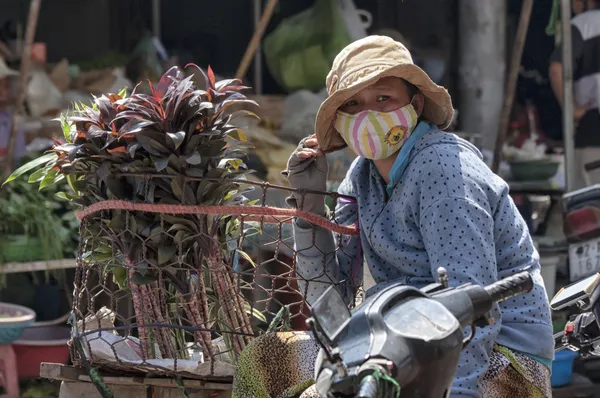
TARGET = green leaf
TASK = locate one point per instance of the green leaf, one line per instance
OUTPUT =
(230, 194)
(67, 196)
(254, 312)
(233, 163)
(177, 187)
(151, 145)
(140, 279)
(179, 227)
(179, 220)
(65, 126)
(165, 253)
(120, 277)
(117, 223)
(246, 257)
(51, 178)
(49, 157)
(180, 236)
(239, 134)
(39, 175)
(194, 158)
(177, 138)
(161, 164)
(123, 93)
(72, 180)
(216, 173)
(142, 268)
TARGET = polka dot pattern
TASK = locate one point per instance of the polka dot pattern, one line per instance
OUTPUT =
(449, 210)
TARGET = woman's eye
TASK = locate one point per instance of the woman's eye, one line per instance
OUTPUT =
(382, 98)
(350, 104)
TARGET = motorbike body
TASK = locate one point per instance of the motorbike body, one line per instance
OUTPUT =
(423, 332)
(582, 229)
(401, 338)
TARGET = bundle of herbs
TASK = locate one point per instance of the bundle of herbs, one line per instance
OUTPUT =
(34, 226)
(174, 146)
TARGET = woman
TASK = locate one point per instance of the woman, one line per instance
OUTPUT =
(424, 199)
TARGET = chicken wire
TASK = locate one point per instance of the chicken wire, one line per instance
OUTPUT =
(170, 290)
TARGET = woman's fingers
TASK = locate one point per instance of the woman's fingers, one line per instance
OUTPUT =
(307, 153)
(311, 142)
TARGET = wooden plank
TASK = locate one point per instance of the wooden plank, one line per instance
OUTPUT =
(55, 371)
(11, 268)
(88, 390)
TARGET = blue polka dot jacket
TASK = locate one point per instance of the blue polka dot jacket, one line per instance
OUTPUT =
(447, 210)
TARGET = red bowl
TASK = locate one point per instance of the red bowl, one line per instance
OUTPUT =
(41, 344)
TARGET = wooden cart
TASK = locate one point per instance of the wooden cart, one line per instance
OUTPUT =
(76, 383)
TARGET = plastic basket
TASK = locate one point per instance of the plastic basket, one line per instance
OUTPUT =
(562, 368)
(14, 319)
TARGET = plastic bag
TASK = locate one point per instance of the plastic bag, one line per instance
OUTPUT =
(300, 51)
(299, 114)
(42, 95)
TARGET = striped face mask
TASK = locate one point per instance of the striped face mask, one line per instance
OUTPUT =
(376, 135)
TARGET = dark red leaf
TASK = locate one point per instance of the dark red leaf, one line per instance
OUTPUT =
(120, 149)
(206, 80)
(211, 77)
(134, 92)
(135, 125)
(227, 82)
(166, 81)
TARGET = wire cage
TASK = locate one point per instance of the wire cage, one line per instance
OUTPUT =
(180, 290)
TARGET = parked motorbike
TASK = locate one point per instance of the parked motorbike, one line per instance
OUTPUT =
(582, 332)
(402, 337)
(582, 228)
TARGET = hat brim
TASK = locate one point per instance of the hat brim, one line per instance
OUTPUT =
(437, 109)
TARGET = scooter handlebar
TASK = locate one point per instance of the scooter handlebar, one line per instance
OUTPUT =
(509, 287)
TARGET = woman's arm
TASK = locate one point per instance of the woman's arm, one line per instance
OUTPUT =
(458, 235)
(324, 258)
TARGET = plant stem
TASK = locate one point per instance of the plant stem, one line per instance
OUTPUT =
(139, 316)
(202, 336)
(162, 336)
(232, 302)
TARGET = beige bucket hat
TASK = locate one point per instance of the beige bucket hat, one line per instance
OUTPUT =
(361, 64)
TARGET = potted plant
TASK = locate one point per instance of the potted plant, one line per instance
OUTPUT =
(173, 146)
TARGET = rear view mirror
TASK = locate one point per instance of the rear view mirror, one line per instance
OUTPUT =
(571, 294)
(331, 314)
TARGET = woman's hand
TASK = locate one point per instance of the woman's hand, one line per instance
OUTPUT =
(307, 168)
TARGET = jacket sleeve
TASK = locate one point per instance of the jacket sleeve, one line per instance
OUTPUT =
(324, 258)
(458, 234)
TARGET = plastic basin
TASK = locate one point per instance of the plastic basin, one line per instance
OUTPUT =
(534, 170)
(562, 368)
(14, 319)
(41, 344)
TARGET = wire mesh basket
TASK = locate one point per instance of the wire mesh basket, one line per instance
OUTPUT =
(181, 290)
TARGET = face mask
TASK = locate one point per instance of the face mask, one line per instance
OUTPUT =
(376, 135)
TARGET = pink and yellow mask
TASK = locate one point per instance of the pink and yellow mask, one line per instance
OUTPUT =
(376, 135)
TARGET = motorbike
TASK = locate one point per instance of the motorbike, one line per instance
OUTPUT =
(401, 336)
(582, 332)
(582, 228)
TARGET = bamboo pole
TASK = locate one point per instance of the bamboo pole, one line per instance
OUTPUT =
(568, 102)
(256, 38)
(32, 20)
(257, 83)
(511, 83)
